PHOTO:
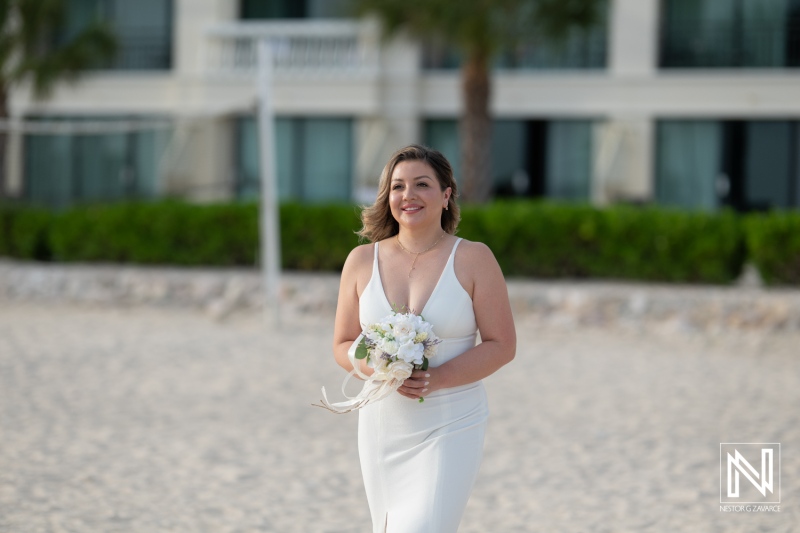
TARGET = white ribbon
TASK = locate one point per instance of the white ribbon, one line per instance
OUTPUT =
(370, 392)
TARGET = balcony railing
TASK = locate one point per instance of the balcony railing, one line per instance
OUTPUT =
(301, 48)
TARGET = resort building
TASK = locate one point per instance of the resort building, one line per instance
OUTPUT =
(687, 103)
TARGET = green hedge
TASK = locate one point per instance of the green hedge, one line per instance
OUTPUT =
(579, 241)
(24, 233)
(312, 237)
(156, 233)
(539, 239)
(773, 243)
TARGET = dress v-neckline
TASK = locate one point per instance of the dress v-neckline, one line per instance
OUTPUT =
(377, 269)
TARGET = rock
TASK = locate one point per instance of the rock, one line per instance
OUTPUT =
(746, 307)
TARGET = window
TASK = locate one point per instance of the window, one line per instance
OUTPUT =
(550, 158)
(314, 158)
(581, 49)
(143, 30)
(746, 165)
(730, 33)
(687, 163)
(61, 170)
(292, 9)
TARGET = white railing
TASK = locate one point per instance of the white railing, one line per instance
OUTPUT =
(308, 48)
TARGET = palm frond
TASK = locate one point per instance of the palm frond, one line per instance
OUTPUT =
(35, 46)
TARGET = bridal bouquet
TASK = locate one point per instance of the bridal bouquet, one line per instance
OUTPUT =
(393, 348)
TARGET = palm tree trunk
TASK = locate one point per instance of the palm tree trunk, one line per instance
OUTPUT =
(3, 142)
(476, 130)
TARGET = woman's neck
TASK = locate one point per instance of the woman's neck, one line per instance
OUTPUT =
(420, 239)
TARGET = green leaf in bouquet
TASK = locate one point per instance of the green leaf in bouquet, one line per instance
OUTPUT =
(361, 349)
(424, 363)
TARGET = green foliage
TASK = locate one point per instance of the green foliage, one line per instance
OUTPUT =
(579, 241)
(315, 237)
(24, 233)
(538, 239)
(34, 45)
(773, 242)
(158, 233)
(318, 237)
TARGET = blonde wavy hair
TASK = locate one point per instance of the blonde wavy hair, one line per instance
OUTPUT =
(378, 222)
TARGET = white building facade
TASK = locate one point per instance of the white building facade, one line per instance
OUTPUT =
(686, 103)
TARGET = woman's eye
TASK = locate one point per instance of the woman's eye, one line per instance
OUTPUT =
(423, 184)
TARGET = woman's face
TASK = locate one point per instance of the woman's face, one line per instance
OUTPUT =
(416, 198)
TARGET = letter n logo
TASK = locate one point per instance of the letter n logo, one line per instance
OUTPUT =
(748, 472)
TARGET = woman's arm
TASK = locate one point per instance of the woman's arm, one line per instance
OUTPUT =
(495, 323)
(347, 326)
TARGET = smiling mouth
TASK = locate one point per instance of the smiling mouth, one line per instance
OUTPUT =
(412, 209)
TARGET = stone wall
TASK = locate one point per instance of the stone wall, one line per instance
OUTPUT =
(568, 303)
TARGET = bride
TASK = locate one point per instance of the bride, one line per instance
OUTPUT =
(420, 460)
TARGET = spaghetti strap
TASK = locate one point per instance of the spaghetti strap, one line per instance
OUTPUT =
(458, 241)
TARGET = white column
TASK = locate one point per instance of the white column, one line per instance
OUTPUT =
(13, 163)
(206, 158)
(624, 160)
(633, 37)
(625, 154)
(400, 93)
(270, 229)
(192, 19)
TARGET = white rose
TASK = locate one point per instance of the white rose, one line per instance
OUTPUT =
(375, 359)
(411, 353)
(373, 335)
(387, 323)
(425, 327)
(389, 346)
(404, 329)
(399, 370)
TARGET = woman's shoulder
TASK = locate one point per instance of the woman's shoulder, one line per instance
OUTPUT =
(358, 267)
(475, 258)
(473, 262)
(360, 255)
(475, 251)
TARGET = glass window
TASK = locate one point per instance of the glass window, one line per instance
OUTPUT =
(143, 30)
(581, 49)
(61, 170)
(293, 9)
(730, 33)
(770, 159)
(509, 160)
(48, 170)
(687, 163)
(442, 135)
(746, 165)
(529, 157)
(326, 159)
(569, 160)
(314, 158)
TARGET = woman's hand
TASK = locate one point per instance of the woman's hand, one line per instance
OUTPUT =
(419, 384)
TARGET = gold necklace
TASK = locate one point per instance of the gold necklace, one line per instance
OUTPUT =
(417, 254)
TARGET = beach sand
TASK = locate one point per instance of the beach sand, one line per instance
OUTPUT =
(165, 420)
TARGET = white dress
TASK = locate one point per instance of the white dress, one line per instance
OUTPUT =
(420, 460)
